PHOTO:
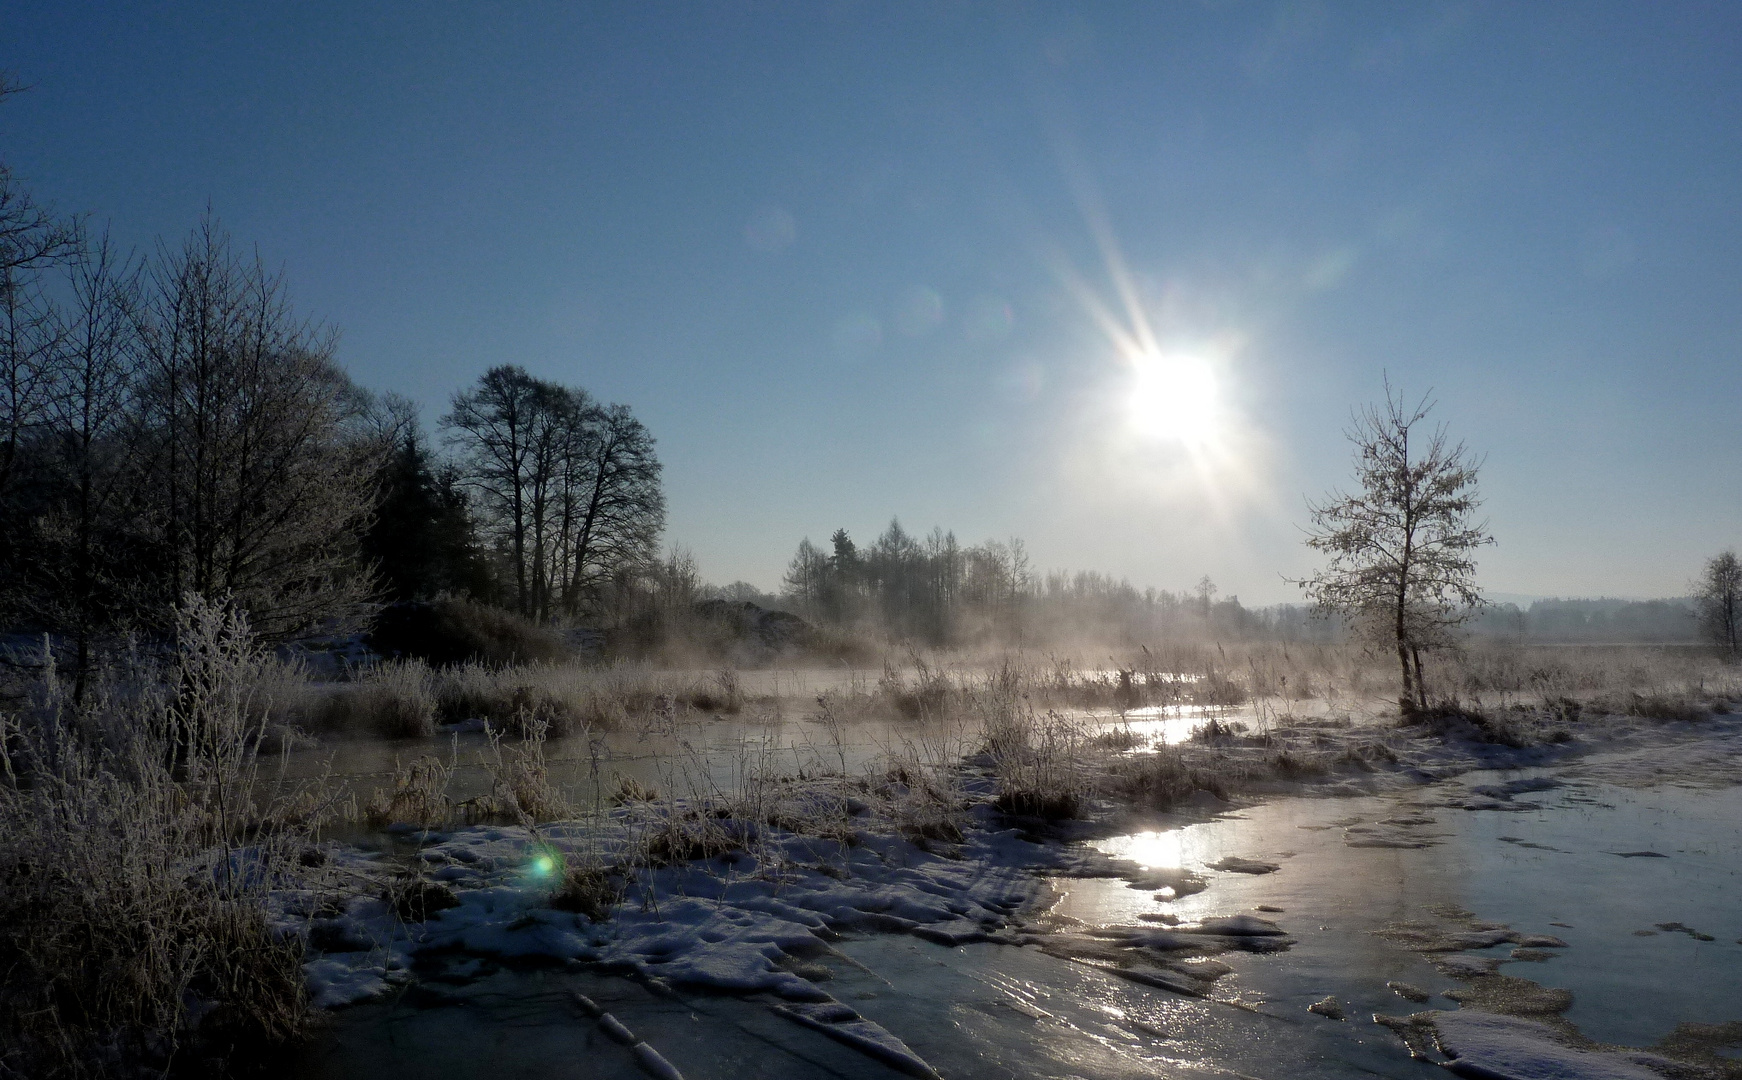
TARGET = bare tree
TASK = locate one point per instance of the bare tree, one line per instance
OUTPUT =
(85, 532)
(570, 490)
(491, 425)
(1718, 600)
(254, 484)
(1401, 549)
(806, 577)
(32, 239)
(620, 503)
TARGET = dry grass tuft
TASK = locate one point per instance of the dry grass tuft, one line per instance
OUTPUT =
(677, 836)
(418, 797)
(924, 696)
(1160, 780)
(590, 890)
(415, 899)
(521, 787)
(395, 700)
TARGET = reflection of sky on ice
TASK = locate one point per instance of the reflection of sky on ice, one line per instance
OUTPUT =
(985, 1010)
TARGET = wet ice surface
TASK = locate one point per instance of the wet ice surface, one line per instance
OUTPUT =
(1532, 869)
(1547, 860)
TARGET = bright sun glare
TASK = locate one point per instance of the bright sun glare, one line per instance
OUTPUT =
(1174, 397)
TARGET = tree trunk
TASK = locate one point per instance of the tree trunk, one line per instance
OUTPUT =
(1420, 682)
(1405, 700)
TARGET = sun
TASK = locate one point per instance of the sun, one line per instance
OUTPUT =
(1174, 397)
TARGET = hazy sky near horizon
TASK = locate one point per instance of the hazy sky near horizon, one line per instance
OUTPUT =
(851, 261)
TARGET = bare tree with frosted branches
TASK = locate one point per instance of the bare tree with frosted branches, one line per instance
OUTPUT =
(1401, 549)
(253, 480)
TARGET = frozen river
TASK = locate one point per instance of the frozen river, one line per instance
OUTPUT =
(1651, 942)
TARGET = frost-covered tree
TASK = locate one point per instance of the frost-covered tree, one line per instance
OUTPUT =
(1401, 549)
(1718, 599)
(32, 239)
(806, 577)
(249, 480)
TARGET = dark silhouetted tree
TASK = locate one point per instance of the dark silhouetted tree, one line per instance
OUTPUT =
(568, 490)
(613, 503)
(87, 546)
(423, 542)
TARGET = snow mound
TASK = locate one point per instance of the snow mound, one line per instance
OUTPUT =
(1496, 1047)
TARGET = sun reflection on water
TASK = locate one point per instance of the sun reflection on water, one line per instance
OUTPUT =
(1152, 850)
(1167, 725)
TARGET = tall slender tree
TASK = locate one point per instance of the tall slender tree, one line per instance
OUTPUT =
(491, 426)
(87, 542)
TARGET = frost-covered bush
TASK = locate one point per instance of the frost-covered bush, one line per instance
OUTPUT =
(137, 842)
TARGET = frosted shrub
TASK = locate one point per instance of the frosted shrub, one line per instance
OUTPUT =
(126, 935)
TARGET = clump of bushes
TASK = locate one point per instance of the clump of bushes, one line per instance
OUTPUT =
(1455, 720)
(1670, 708)
(449, 631)
(407, 698)
(396, 700)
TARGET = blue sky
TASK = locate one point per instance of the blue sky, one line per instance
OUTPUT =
(843, 257)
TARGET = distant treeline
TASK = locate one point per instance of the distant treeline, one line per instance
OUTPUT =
(1672, 621)
(935, 590)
